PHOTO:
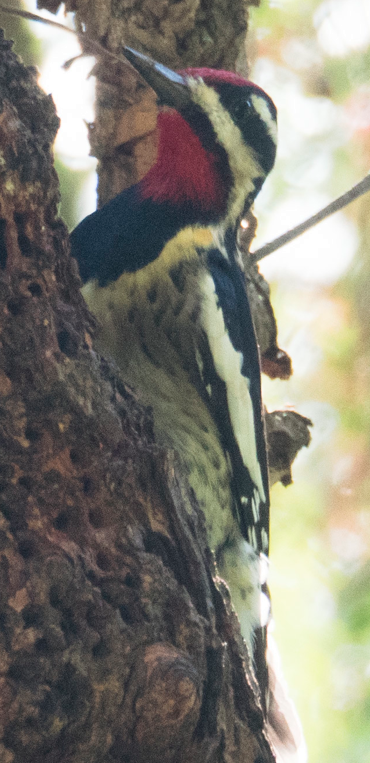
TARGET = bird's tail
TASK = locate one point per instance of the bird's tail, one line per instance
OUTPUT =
(284, 726)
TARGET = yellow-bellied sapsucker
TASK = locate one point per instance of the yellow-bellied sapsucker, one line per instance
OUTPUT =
(164, 276)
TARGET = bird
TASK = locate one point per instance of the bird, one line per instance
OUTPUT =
(163, 275)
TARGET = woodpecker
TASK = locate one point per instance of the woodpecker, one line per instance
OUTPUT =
(163, 274)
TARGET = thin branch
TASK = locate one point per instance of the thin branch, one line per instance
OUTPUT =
(35, 17)
(358, 190)
(90, 47)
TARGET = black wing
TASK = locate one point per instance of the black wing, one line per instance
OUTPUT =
(233, 385)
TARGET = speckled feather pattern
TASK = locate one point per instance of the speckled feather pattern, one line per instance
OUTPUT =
(153, 327)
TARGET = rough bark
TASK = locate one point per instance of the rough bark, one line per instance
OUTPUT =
(116, 643)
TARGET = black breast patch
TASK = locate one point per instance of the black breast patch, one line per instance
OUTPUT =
(126, 234)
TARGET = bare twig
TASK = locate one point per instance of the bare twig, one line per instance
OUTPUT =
(358, 190)
(89, 47)
(35, 17)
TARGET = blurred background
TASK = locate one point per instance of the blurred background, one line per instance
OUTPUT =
(313, 58)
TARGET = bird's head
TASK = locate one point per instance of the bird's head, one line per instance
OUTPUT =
(217, 138)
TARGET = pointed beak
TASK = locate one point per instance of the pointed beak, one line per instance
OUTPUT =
(171, 88)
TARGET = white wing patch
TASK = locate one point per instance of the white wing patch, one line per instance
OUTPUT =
(265, 539)
(255, 506)
(263, 568)
(265, 610)
(199, 362)
(228, 363)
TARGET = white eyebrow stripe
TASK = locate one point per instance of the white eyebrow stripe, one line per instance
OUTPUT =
(263, 110)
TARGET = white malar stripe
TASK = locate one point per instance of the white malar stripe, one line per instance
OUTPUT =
(228, 364)
(242, 158)
(263, 110)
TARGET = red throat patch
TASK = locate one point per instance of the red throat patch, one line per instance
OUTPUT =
(184, 171)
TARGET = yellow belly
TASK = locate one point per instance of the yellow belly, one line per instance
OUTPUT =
(149, 326)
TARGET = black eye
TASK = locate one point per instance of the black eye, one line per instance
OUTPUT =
(241, 109)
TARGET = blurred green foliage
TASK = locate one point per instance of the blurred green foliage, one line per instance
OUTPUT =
(320, 562)
(26, 45)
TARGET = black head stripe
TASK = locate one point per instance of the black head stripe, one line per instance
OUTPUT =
(237, 100)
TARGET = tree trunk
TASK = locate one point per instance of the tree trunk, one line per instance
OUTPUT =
(117, 643)
(178, 34)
